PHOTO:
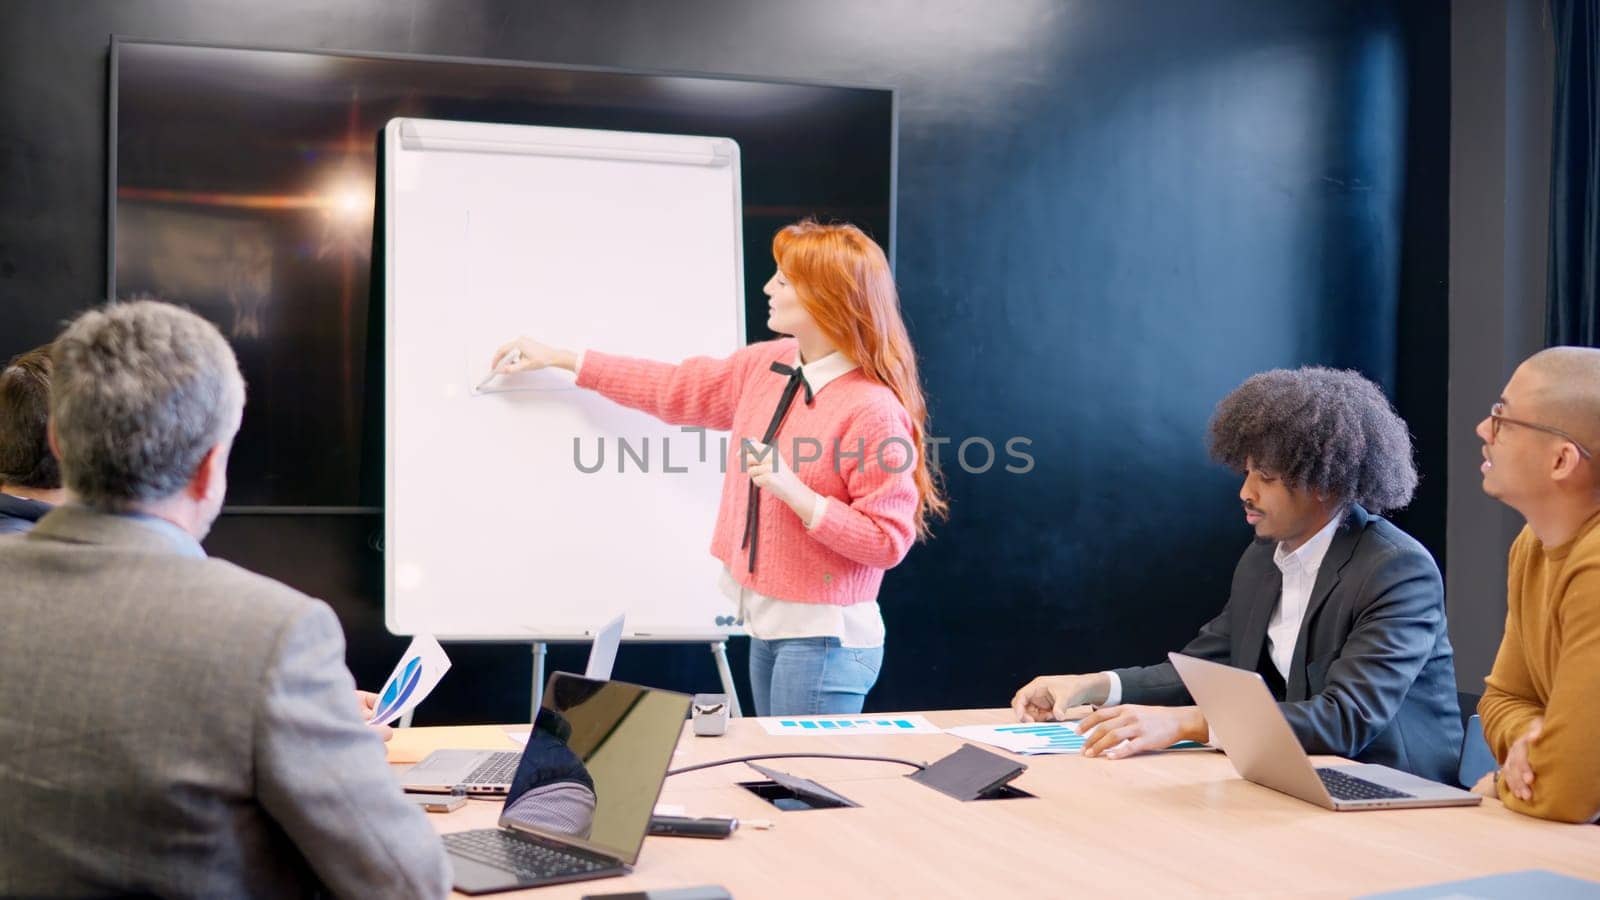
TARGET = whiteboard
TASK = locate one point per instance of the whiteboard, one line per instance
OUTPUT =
(624, 242)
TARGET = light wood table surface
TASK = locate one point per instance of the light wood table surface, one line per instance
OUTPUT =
(1176, 824)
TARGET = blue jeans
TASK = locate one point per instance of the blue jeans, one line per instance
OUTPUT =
(812, 676)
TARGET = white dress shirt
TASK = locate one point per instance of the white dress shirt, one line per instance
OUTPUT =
(1299, 577)
(1283, 629)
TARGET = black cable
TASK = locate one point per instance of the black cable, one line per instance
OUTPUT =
(740, 759)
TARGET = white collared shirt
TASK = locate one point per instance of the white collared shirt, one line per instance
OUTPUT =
(1283, 629)
(1299, 577)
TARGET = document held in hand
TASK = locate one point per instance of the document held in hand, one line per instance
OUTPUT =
(419, 671)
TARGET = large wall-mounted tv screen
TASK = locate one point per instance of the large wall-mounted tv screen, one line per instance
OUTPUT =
(243, 184)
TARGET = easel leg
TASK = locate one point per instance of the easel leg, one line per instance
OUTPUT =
(538, 681)
(719, 649)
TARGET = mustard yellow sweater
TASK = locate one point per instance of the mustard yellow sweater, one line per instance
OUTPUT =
(1549, 667)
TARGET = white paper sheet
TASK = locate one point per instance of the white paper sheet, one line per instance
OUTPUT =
(416, 675)
(836, 725)
(1032, 739)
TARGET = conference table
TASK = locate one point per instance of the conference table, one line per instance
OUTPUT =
(1174, 824)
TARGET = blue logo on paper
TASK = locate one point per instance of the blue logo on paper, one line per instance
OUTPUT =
(400, 689)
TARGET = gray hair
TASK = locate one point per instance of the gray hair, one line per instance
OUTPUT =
(140, 392)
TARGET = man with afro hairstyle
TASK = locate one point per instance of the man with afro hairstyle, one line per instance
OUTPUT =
(1340, 612)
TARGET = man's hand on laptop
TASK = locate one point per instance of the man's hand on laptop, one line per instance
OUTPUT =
(1119, 731)
(368, 702)
(1050, 697)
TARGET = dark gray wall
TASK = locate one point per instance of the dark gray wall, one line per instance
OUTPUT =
(1110, 213)
(1502, 71)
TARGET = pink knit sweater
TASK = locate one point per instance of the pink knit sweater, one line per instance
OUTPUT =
(863, 435)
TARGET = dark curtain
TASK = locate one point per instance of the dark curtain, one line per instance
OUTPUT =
(1573, 311)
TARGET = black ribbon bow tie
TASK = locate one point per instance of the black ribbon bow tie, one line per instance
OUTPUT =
(752, 512)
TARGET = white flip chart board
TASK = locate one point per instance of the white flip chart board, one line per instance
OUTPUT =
(618, 241)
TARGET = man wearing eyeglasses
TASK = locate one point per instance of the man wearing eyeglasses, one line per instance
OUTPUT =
(1541, 702)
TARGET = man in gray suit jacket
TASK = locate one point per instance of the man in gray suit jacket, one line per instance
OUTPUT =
(1340, 612)
(172, 724)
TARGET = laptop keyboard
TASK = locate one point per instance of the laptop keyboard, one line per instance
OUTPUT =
(524, 858)
(500, 768)
(1349, 787)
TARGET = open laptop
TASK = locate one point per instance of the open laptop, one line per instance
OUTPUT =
(487, 773)
(595, 763)
(1246, 722)
(603, 652)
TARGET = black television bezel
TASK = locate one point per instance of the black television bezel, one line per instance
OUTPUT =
(113, 68)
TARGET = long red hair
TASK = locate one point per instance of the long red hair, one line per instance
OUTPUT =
(843, 280)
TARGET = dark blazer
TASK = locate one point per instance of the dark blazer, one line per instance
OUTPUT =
(1373, 676)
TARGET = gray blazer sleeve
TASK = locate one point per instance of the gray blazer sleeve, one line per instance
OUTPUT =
(1389, 642)
(323, 776)
(1159, 685)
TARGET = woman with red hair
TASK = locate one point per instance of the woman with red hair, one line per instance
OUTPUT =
(826, 485)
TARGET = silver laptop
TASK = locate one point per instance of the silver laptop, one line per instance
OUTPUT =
(487, 773)
(591, 776)
(1248, 725)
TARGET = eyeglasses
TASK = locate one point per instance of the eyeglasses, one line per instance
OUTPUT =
(1497, 418)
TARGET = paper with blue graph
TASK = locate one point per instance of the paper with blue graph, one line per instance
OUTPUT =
(1036, 738)
(836, 725)
(1031, 739)
(416, 675)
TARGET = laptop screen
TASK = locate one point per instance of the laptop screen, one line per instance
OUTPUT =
(603, 652)
(595, 762)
